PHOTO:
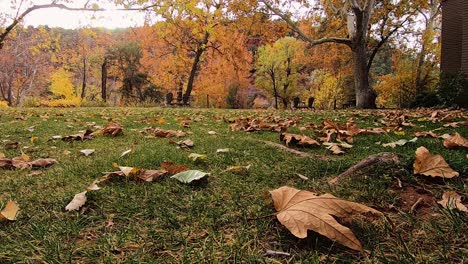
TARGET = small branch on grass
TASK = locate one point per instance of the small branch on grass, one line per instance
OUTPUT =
(383, 158)
(415, 205)
(272, 253)
(293, 151)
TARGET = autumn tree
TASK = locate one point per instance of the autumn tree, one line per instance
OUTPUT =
(278, 68)
(362, 26)
(61, 85)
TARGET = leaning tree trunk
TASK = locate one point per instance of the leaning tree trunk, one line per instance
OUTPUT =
(104, 80)
(193, 72)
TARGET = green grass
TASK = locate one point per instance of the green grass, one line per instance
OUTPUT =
(220, 220)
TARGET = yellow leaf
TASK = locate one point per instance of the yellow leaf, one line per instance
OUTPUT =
(9, 212)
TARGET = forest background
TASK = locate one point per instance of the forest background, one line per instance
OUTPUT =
(229, 54)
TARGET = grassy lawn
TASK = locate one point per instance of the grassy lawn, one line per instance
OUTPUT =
(221, 219)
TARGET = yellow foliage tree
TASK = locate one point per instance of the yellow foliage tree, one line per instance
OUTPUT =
(328, 92)
(61, 85)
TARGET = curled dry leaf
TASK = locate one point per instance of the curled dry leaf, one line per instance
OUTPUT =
(158, 132)
(87, 152)
(78, 201)
(172, 168)
(22, 162)
(296, 139)
(335, 149)
(451, 200)
(238, 169)
(426, 134)
(455, 140)
(300, 211)
(10, 212)
(125, 152)
(12, 145)
(432, 165)
(81, 136)
(225, 150)
(197, 157)
(112, 129)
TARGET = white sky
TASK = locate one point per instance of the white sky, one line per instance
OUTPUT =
(54, 17)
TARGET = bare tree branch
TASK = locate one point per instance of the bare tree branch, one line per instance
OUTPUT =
(301, 34)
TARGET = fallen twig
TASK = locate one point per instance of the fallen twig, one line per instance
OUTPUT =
(293, 151)
(384, 158)
(276, 253)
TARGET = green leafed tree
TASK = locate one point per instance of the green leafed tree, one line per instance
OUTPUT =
(278, 67)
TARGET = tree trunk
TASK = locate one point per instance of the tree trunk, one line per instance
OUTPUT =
(193, 72)
(275, 90)
(83, 86)
(365, 95)
(104, 80)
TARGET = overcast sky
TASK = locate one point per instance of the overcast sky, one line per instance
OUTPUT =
(54, 17)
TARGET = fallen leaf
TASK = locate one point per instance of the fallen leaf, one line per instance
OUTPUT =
(225, 150)
(9, 212)
(112, 129)
(185, 143)
(197, 157)
(300, 211)
(400, 142)
(426, 134)
(432, 165)
(12, 145)
(335, 149)
(451, 200)
(302, 177)
(42, 163)
(150, 175)
(81, 136)
(238, 169)
(87, 152)
(125, 152)
(158, 132)
(212, 133)
(78, 201)
(190, 175)
(172, 168)
(34, 139)
(298, 139)
(455, 141)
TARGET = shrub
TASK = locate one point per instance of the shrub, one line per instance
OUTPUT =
(453, 90)
(426, 99)
(31, 102)
(72, 102)
(3, 104)
(87, 103)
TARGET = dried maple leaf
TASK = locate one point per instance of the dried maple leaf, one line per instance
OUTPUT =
(82, 135)
(335, 149)
(9, 212)
(301, 210)
(112, 129)
(455, 141)
(300, 140)
(432, 165)
(451, 199)
(426, 134)
(172, 168)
